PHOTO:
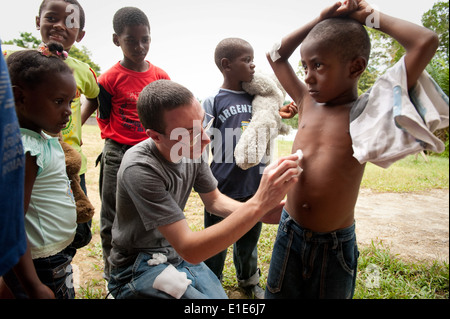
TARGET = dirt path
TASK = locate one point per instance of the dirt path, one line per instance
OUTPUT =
(415, 226)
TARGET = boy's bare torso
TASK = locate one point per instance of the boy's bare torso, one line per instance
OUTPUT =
(324, 198)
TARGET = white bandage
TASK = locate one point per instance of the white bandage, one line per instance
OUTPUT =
(172, 282)
(299, 153)
(157, 259)
(274, 55)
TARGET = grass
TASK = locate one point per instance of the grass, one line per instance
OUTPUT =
(381, 275)
(408, 175)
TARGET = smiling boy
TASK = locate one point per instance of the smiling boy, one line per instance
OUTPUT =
(117, 115)
(315, 253)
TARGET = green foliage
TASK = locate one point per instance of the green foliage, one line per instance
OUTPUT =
(436, 19)
(438, 69)
(367, 79)
(292, 122)
(84, 55)
(28, 41)
(411, 174)
(382, 276)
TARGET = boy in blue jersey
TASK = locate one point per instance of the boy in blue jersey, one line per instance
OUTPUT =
(232, 108)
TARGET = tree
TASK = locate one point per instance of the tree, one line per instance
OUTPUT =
(436, 19)
(386, 51)
(84, 55)
(28, 41)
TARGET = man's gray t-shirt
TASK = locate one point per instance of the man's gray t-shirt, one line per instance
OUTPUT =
(152, 192)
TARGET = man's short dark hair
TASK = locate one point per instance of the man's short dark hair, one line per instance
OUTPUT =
(158, 97)
(129, 16)
(346, 36)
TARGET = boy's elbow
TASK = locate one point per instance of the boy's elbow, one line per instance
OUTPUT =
(435, 41)
(430, 41)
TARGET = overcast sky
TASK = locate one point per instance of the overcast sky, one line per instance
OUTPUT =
(185, 33)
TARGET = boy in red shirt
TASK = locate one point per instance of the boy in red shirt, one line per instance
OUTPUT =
(117, 115)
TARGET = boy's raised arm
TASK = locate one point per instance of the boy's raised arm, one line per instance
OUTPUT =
(278, 57)
(420, 43)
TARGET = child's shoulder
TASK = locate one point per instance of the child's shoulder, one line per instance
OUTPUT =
(77, 64)
(157, 70)
(112, 71)
(234, 96)
(81, 68)
(38, 145)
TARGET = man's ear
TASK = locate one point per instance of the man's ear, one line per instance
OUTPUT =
(357, 67)
(155, 136)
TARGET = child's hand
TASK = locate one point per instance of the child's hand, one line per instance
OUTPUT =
(288, 111)
(362, 11)
(41, 291)
(339, 9)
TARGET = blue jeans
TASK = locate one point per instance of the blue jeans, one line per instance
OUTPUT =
(54, 271)
(245, 254)
(136, 281)
(312, 265)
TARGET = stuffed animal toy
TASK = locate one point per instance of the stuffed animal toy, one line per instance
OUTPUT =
(257, 139)
(85, 210)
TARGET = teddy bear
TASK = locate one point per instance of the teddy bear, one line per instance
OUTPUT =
(85, 210)
(258, 137)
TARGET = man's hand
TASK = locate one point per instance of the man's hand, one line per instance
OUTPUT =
(276, 181)
(274, 215)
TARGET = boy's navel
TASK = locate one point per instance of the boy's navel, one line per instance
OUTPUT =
(306, 206)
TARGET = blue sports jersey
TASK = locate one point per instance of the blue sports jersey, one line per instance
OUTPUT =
(233, 112)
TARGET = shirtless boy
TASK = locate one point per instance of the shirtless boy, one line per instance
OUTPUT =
(315, 254)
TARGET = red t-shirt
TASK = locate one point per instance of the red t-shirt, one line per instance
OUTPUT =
(117, 116)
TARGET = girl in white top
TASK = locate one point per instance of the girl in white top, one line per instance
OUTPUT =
(44, 87)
